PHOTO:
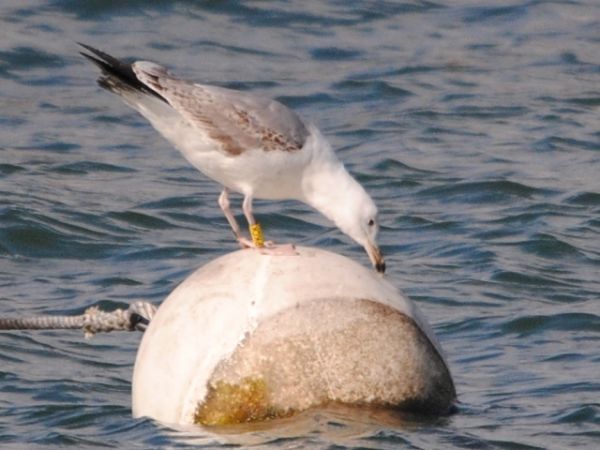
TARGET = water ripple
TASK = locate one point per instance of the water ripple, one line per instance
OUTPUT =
(9, 169)
(473, 125)
(27, 58)
(528, 325)
(370, 89)
(84, 167)
(548, 246)
(496, 191)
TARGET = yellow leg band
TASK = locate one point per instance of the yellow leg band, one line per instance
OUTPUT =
(257, 235)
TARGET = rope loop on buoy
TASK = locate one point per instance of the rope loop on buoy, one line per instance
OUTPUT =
(135, 318)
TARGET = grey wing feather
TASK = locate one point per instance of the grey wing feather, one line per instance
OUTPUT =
(240, 121)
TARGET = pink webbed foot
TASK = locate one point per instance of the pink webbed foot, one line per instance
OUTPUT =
(270, 248)
(245, 242)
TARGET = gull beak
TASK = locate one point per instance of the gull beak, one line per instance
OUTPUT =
(376, 257)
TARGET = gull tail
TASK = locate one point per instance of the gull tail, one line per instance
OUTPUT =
(117, 76)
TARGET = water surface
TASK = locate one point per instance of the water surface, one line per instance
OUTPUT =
(474, 125)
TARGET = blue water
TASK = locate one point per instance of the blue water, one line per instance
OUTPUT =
(474, 125)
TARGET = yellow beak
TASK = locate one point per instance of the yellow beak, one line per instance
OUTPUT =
(376, 257)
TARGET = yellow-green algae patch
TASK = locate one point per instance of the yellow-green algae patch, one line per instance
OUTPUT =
(228, 404)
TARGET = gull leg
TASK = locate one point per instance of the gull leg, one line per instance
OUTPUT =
(268, 247)
(255, 229)
(224, 204)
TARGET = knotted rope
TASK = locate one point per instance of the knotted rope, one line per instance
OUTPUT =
(135, 318)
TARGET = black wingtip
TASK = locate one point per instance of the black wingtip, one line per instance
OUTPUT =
(91, 58)
(101, 59)
(109, 64)
(116, 72)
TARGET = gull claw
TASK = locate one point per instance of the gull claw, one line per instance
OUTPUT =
(245, 242)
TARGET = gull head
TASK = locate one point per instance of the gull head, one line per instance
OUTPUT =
(341, 199)
(362, 225)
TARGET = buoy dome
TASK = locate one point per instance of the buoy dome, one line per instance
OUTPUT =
(252, 336)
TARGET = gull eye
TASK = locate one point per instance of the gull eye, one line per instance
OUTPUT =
(371, 222)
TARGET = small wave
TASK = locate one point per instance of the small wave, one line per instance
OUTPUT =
(585, 199)
(334, 54)
(9, 169)
(578, 414)
(84, 167)
(425, 224)
(43, 241)
(140, 220)
(299, 101)
(371, 89)
(80, 236)
(449, 131)
(496, 191)
(176, 253)
(55, 146)
(554, 143)
(176, 203)
(494, 13)
(534, 324)
(592, 100)
(208, 45)
(488, 112)
(548, 246)
(391, 165)
(12, 121)
(524, 279)
(28, 58)
(115, 281)
(534, 213)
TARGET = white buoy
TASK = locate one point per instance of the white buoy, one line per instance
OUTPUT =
(250, 336)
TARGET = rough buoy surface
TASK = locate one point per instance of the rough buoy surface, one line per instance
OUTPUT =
(250, 337)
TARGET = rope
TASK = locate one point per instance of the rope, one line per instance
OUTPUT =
(135, 318)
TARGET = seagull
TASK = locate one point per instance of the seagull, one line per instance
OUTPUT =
(250, 144)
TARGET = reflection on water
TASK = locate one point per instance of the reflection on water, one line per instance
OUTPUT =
(333, 425)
